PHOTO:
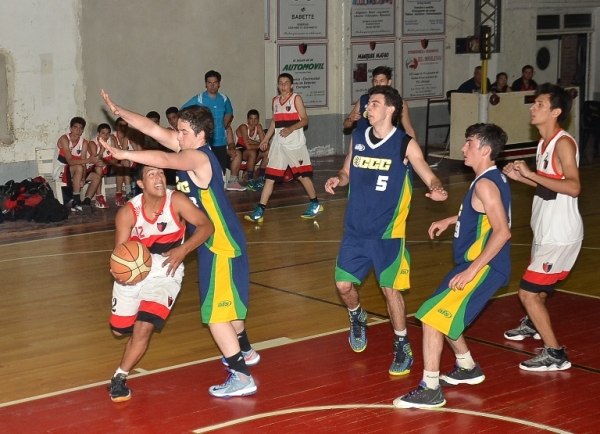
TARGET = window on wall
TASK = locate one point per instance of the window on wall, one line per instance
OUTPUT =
(5, 134)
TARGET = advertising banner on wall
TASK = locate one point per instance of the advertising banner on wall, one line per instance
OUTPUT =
(365, 57)
(301, 19)
(423, 69)
(371, 18)
(423, 17)
(307, 63)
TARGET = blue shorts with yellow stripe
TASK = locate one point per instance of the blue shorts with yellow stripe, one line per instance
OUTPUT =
(224, 286)
(451, 311)
(389, 258)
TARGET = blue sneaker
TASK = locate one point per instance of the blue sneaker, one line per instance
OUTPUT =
(403, 356)
(313, 210)
(257, 215)
(260, 183)
(237, 384)
(250, 357)
(358, 330)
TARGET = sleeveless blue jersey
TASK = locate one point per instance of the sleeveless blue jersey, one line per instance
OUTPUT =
(473, 228)
(228, 238)
(380, 187)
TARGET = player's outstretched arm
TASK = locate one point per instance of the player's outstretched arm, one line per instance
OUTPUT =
(415, 156)
(165, 136)
(405, 121)
(204, 229)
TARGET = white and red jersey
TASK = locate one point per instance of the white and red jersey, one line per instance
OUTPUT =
(555, 217)
(127, 146)
(60, 161)
(160, 232)
(239, 140)
(285, 115)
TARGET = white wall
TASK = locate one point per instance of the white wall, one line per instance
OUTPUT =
(41, 42)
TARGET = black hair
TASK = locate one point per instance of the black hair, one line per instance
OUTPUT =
(77, 120)
(252, 112)
(286, 75)
(210, 74)
(489, 135)
(200, 119)
(559, 99)
(385, 70)
(153, 115)
(171, 110)
(103, 127)
(392, 98)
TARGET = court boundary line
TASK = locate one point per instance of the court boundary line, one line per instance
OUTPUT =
(376, 406)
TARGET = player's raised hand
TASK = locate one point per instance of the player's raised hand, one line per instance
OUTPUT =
(117, 153)
(111, 105)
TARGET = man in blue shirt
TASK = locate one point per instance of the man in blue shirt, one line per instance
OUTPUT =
(222, 111)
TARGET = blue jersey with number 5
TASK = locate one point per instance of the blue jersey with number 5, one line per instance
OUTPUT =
(380, 187)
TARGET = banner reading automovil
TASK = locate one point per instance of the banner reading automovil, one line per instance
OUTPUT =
(307, 63)
(367, 56)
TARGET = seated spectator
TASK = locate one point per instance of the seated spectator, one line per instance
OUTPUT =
(525, 82)
(235, 162)
(70, 167)
(473, 85)
(122, 168)
(149, 142)
(172, 117)
(500, 85)
(100, 169)
(248, 137)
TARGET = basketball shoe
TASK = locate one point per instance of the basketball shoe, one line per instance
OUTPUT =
(257, 215)
(100, 202)
(403, 356)
(421, 397)
(119, 392)
(550, 359)
(462, 376)
(119, 199)
(525, 330)
(234, 185)
(250, 357)
(358, 330)
(313, 210)
(237, 384)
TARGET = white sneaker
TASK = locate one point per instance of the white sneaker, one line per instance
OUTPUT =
(237, 384)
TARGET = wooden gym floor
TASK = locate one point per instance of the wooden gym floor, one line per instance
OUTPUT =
(57, 352)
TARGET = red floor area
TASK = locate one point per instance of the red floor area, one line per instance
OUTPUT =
(325, 372)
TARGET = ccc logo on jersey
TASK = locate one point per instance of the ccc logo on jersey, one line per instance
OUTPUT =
(372, 163)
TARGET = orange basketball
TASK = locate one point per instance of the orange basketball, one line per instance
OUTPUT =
(130, 262)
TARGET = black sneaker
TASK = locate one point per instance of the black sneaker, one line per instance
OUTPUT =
(421, 397)
(550, 359)
(86, 206)
(525, 330)
(462, 376)
(119, 392)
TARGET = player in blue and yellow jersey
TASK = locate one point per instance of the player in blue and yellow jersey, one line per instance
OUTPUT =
(223, 269)
(482, 254)
(378, 169)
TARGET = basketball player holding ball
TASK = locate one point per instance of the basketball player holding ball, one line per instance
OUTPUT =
(156, 219)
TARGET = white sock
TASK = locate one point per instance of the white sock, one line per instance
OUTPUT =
(465, 360)
(355, 309)
(401, 333)
(431, 379)
(120, 371)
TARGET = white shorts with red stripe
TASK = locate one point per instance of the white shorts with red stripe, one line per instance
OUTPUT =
(550, 263)
(151, 299)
